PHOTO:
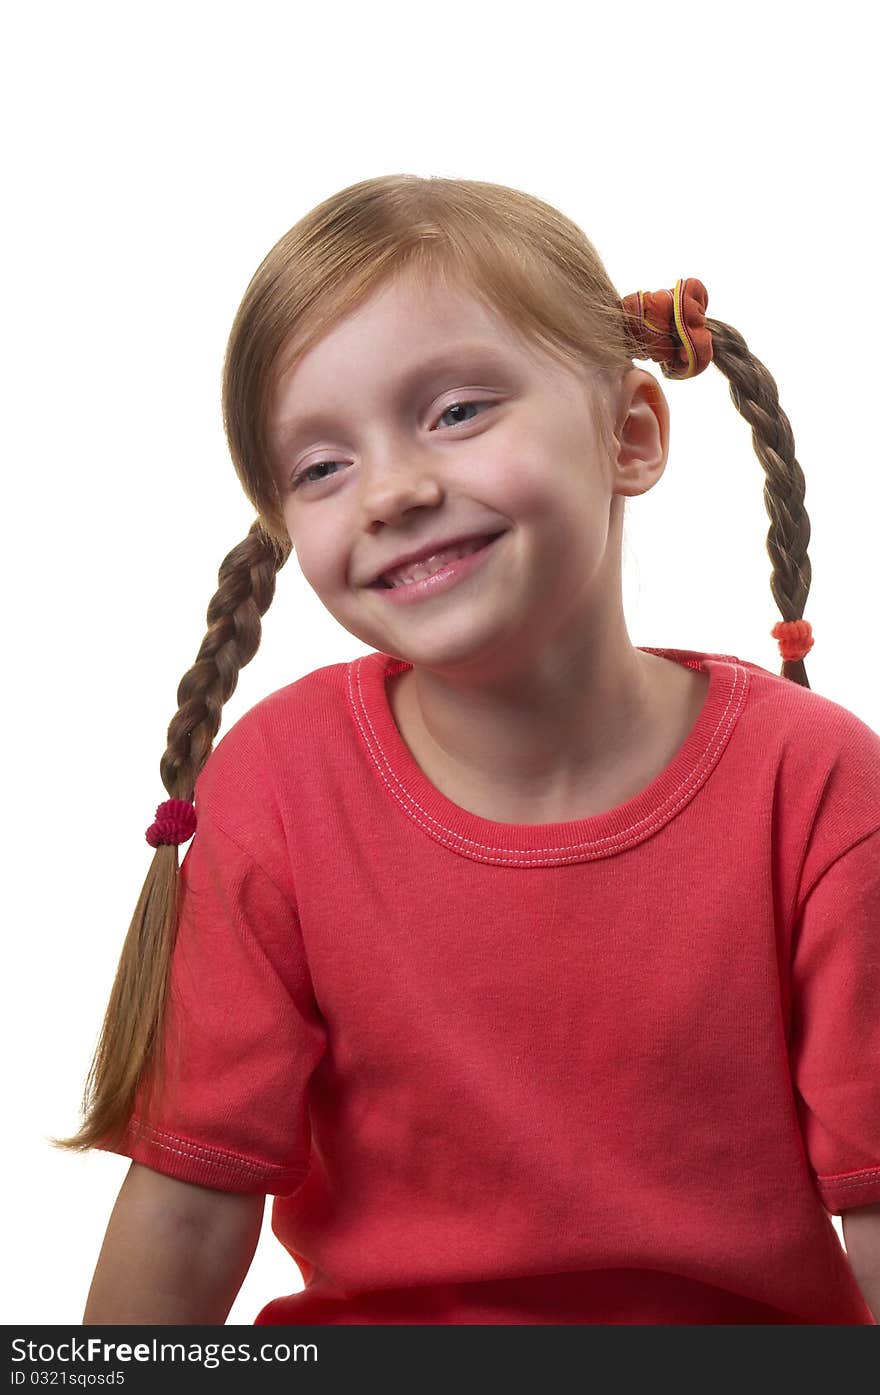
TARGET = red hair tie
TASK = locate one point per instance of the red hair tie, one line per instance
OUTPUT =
(795, 638)
(670, 327)
(175, 822)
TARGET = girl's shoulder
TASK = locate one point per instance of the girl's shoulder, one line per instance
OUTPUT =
(825, 717)
(279, 732)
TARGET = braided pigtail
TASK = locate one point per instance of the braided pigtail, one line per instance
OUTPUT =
(671, 327)
(755, 397)
(130, 1050)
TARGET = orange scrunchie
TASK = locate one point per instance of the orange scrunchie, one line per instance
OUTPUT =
(670, 327)
(795, 638)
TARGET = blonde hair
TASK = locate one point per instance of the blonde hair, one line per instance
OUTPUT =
(524, 259)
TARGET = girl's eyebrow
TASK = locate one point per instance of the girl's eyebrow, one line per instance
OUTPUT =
(437, 365)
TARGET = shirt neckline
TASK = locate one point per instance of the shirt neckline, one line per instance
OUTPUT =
(546, 844)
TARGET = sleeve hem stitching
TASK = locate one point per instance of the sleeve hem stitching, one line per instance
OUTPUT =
(840, 1181)
(212, 1157)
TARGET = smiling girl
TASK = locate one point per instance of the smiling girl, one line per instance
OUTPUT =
(533, 973)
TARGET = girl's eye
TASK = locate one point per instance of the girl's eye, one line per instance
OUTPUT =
(456, 406)
(322, 464)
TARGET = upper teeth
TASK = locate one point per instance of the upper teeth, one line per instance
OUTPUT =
(417, 571)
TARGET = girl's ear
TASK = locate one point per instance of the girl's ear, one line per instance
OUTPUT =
(641, 435)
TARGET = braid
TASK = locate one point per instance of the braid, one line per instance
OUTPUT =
(131, 1048)
(756, 398)
(671, 327)
(245, 592)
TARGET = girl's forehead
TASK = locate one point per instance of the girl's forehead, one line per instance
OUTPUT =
(412, 317)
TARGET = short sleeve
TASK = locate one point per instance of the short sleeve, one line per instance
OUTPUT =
(835, 1042)
(243, 1033)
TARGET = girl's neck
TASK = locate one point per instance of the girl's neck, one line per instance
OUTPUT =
(514, 763)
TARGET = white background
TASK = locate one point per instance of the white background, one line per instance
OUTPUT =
(153, 155)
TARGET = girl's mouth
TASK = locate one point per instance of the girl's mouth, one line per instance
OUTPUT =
(448, 575)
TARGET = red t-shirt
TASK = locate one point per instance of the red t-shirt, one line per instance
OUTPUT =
(617, 1070)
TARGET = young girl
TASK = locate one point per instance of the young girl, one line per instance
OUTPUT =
(533, 974)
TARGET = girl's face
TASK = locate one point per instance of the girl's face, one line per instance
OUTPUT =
(372, 464)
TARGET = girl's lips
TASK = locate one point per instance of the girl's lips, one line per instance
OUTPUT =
(448, 575)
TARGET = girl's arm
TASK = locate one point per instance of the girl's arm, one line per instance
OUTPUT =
(861, 1234)
(173, 1253)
